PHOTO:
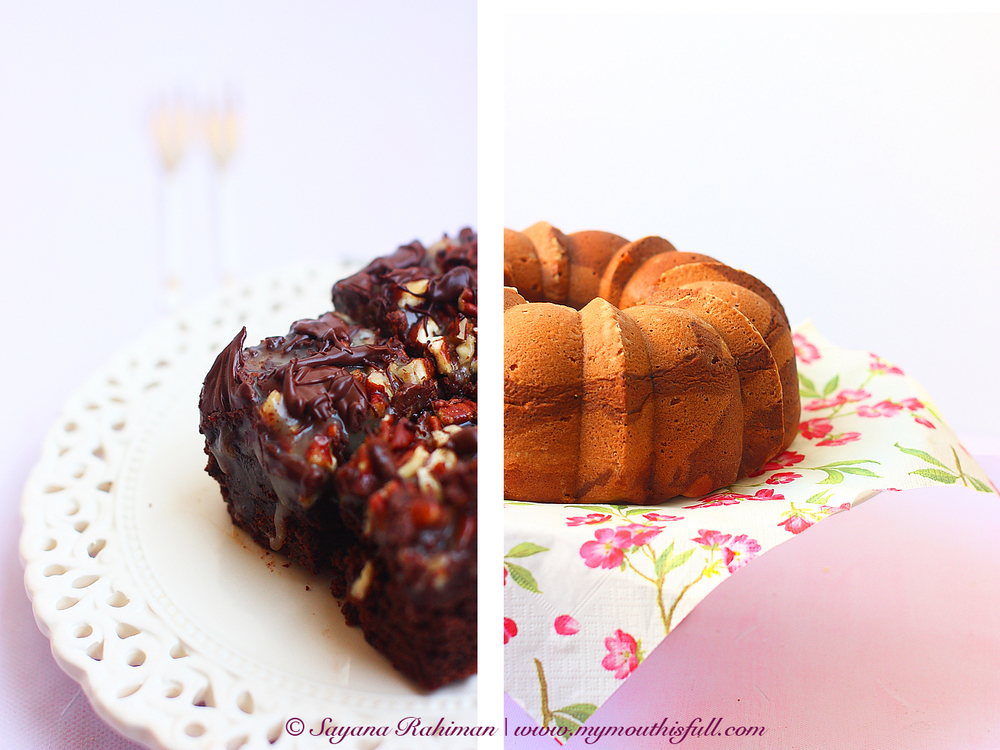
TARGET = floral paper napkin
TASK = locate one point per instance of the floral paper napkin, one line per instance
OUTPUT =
(590, 590)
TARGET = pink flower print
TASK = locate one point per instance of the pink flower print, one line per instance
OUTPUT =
(734, 498)
(566, 625)
(766, 495)
(504, 575)
(913, 404)
(785, 458)
(741, 550)
(821, 403)
(509, 629)
(711, 540)
(795, 524)
(590, 518)
(816, 428)
(831, 510)
(781, 461)
(806, 352)
(783, 477)
(924, 422)
(638, 533)
(712, 501)
(848, 396)
(841, 439)
(623, 654)
(881, 409)
(661, 517)
(880, 366)
(606, 552)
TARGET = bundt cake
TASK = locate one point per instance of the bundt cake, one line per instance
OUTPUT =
(634, 372)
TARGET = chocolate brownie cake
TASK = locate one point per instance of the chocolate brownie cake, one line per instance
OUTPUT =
(350, 445)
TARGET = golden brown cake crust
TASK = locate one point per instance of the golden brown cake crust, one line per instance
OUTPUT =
(589, 253)
(760, 383)
(512, 298)
(723, 281)
(543, 383)
(521, 268)
(698, 420)
(553, 259)
(648, 274)
(674, 375)
(626, 262)
(616, 412)
(693, 272)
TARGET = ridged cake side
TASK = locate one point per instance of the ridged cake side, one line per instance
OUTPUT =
(720, 398)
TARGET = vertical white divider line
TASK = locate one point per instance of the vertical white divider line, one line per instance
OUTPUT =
(490, 228)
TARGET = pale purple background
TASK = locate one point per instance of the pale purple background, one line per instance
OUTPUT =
(850, 161)
(359, 134)
(877, 628)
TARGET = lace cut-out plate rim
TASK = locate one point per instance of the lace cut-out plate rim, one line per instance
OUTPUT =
(156, 682)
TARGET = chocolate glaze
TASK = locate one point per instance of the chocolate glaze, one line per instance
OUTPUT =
(449, 287)
(359, 451)
(327, 327)
(376, 292)
(225, 389)
(316, 393)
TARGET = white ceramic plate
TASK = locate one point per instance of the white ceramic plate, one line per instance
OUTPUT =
(182, 632)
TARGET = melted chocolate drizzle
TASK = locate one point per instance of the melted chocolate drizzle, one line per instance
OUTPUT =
(372, 293)
(225, 389)
(331, 405)
(449, 287)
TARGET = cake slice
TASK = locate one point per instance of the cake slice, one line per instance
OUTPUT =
(349, 445)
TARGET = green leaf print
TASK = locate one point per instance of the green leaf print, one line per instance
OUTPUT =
(937, 475)
(526, 549)
(579, 711)
(832, 477)
(572, 717)
(677, 561)
(569, 727)
(522, 577)
(662, 560)
(569, 718)
(924, 455)
(851, 463)
(858, 471)
(945, 474)
(981, 486)
(807, 387)
(820, 498)
(831, 386)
